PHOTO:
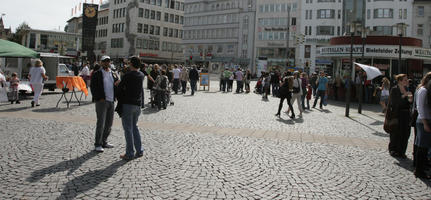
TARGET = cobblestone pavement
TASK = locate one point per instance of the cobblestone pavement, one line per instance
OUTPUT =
(209, 146)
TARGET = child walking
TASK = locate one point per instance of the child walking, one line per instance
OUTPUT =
(14, 82)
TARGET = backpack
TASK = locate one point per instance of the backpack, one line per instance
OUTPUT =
(163, 84)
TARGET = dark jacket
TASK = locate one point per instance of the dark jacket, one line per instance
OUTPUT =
(193, 74)
(399, 105)
(130, 88)
(97, 90)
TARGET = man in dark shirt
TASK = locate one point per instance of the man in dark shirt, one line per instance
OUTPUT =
(130, 99)
(194, 77)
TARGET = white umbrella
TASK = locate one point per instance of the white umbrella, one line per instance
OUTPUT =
(372, 72)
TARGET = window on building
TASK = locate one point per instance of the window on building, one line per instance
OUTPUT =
(421, 11)
(139, 28)
(157, 30)
(145, 28)
(420, 30)
(325, 14)
(147, 13)
(166, 17)
(158, 16)
(324, 30)
(141, 12)
(383, 13)
(153, 14)
(165, 31)
(383, 30)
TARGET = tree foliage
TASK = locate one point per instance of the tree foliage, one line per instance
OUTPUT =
(20, 32)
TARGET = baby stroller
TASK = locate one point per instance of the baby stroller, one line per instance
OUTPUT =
(168, 97)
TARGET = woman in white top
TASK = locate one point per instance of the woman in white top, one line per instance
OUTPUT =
(297, 92)
(85, 74)
(36, 77)
(423, 126)
(384, 95)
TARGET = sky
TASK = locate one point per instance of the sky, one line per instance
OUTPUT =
(39, 14)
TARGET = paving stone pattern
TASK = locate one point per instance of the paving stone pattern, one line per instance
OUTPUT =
(200, 148)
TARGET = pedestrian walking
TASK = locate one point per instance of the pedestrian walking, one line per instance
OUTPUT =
(275, 82)
(103, 82)
(239, 80)
(313, 82)
(226, 76)
(423, 125)
(286, 93)
(162, 84)
(322, 86)
(230, 81)
(400, 100)
(36, 77)
(176, 75)
(14, 92)
(184, 77)
(384, 94)
(266, 85)
(130, 98)
(85, 74)
(247, 81)
(296, 92)
(304, 83)
(194, 78)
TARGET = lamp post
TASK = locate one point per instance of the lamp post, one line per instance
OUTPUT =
(349, 81)
(288, 35)
(401, 27)
(364, 32)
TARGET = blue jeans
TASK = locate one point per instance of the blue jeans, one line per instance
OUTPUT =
(193, 86)
(129, 120)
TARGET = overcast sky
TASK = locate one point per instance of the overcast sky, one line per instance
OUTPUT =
(39, 14)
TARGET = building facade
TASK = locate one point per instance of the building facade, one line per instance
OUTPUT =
(421, 26)
(220, 33)
(150, 29)
(52, 41)
(276, 31)
(4, 32)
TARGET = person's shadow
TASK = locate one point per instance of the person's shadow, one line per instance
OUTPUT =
(89, 180)
(70, 165)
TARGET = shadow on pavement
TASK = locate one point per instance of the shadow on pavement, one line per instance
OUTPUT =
(375, 131)
(89, 180)
(54, 109)
(148, 110)
(70, 165)
(15, 109)
(286, 121)
(354, 106)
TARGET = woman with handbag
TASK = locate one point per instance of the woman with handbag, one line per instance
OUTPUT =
(423, 126)
(285, 93)
(296, 92)
(399, 112)
(36, 77)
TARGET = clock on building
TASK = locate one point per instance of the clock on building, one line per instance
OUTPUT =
(90, 12)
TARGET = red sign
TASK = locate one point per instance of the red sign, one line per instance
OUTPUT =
(148, 55)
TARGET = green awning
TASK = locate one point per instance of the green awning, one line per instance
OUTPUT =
(12, 49)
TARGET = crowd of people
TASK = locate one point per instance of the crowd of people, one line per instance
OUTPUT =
(409, 107)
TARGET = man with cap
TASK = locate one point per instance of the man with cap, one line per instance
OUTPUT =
(103, 82)
(130, 90)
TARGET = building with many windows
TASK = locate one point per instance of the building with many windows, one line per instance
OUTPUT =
(421, 26)
(220, 33)
(52, 41)
(276, 31)
(150, 29)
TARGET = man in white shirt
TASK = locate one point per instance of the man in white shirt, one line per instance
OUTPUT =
(102, 89)
(176, 73)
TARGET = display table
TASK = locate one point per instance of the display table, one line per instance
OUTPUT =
(70, 83)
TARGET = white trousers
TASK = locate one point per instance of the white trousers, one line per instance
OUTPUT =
(297, 97)
(37, 89)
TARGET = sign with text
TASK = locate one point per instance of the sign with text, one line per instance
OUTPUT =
(204, 79)
(387, 51)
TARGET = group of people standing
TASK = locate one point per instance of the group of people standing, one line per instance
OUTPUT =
(296, 87)
(410, 109)
(107, 86)
(228, 76)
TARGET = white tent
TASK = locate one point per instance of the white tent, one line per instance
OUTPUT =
(372, 72)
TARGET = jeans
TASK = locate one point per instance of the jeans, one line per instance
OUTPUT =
(224, 82)
(297, 97)
(275, 88)
(183, 86)
(143, 98)
(105, 116)
(303, 98)
(193, 86)
(321, 94)
(129, 119)
(176, 85)
(239, 87)
(160, 99)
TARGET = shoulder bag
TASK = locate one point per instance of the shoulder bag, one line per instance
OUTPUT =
(391, 122)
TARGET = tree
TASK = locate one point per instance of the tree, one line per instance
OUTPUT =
(20, 32)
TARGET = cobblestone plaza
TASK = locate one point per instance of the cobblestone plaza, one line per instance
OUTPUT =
(209, 146)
